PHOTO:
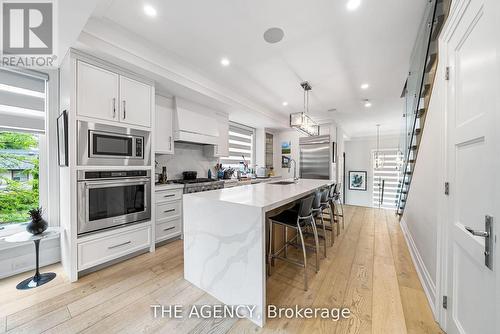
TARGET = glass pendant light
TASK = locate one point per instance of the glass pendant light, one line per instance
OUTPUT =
(300, 120)
(379, 156)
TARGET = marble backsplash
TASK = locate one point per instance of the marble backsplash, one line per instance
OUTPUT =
(186, 157)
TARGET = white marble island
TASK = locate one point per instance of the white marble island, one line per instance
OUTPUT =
(224, 239)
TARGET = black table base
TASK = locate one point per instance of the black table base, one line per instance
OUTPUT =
(38, 279)
(34, 281)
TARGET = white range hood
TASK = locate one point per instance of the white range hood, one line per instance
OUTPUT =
(194, 123)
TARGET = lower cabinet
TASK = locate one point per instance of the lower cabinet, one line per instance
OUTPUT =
(168, 223)
(95, 251)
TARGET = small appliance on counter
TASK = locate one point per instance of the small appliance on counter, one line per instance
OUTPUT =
(261, 172)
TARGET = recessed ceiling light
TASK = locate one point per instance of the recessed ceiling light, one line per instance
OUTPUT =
(365, 86)
(368, 104)
(284, 103)
(149, 10)
(225, 62)
(353, 4)
(274, 35)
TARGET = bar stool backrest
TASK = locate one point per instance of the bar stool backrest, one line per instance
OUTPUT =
(324, 195)
(331, 192)
(305, 207)
(317, 200)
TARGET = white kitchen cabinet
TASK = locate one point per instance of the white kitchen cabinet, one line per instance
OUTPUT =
(97, 92)
(221, 148)
(135, 102)
(164, 126)
(168, 209)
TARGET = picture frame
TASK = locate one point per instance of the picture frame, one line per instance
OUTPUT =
(357, 180)
(62, 139)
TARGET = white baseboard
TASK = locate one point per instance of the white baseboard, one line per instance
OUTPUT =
(423, 274)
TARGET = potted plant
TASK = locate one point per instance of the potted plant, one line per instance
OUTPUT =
(37, 224)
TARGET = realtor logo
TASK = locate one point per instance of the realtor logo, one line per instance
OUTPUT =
(27, 28)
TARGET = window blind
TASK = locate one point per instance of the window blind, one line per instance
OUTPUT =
(22, 100)
(390, 175)
(241, 144)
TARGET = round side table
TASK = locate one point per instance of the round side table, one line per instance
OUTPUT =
(38, 279)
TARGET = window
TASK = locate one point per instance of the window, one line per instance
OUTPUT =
(241, 146)
(386, 178)
(22, 137)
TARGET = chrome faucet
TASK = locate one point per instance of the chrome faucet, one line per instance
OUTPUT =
(295, 178)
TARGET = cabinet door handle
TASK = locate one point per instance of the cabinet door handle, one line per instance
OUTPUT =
(168, 228)
(114, 107)
(119, 245)
(124, 110)
(170, 140)
(167, 211)
(171, 195)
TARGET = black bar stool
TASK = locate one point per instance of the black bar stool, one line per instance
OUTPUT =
(337, 203)
(320, 204)
(298, 220)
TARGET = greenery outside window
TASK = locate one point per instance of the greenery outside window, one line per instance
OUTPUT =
(19, 176)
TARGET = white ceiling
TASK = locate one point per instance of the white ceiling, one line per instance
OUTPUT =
(334, 49)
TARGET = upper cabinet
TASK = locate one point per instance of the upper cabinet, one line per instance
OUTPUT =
(97, 92)
(135, 102)
(222, 147)
(110, 96)
(164, 125)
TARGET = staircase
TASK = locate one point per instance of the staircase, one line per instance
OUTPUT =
(417, 93)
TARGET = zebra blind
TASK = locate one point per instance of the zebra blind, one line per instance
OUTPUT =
(22, 100)
(241, 146)
(388, 176)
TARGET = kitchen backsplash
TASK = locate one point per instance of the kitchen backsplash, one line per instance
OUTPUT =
(187, 156)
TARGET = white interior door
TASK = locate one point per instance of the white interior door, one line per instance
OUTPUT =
(473, 156)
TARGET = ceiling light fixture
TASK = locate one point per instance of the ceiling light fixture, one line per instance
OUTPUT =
(300, 120)
(284, 103)
(353, 4)
(365, 86)
(368, 104)
(225, 62)
(149, 10)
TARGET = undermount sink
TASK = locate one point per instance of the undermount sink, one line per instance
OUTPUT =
(283, 182)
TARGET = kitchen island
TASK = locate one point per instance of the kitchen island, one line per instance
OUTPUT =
(225, 239)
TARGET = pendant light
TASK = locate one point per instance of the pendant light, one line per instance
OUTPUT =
(379, 156)
(301, 120)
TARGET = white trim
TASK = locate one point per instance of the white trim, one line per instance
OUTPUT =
(423, 273)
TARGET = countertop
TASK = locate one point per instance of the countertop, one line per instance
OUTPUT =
(266, 195)
(167, 186)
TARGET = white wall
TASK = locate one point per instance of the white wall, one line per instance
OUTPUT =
(358, 158)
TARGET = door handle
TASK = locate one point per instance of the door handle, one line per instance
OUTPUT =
(114, 107)
(488, 240)
(476, 233)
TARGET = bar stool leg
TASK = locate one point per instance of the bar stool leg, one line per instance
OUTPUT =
(324, 232)
(316, 242)
(285, 237)
(342, 213)
(270, 253)
(304, 253)
(332, 221)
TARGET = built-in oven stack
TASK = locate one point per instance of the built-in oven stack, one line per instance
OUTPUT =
(108, 199)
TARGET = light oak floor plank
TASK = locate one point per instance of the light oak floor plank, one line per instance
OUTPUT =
(368, 269)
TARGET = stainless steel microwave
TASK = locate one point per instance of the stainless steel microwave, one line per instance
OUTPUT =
(108, 145)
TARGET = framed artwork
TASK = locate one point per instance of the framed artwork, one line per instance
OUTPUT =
(62, 139)
(357, 180)
(285, 161)
(286, 147)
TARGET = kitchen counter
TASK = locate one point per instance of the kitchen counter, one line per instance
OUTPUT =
(225, 239)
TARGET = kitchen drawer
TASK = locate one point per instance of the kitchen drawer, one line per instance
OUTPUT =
(97, 251)
(168, 210)
(168, 229)
(168, 195)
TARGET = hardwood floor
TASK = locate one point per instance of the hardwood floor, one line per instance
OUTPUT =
(368, 270)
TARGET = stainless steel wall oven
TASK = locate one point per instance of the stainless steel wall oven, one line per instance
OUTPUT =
(108, 199)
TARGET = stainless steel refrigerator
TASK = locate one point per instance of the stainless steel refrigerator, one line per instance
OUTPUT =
(315, 157)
